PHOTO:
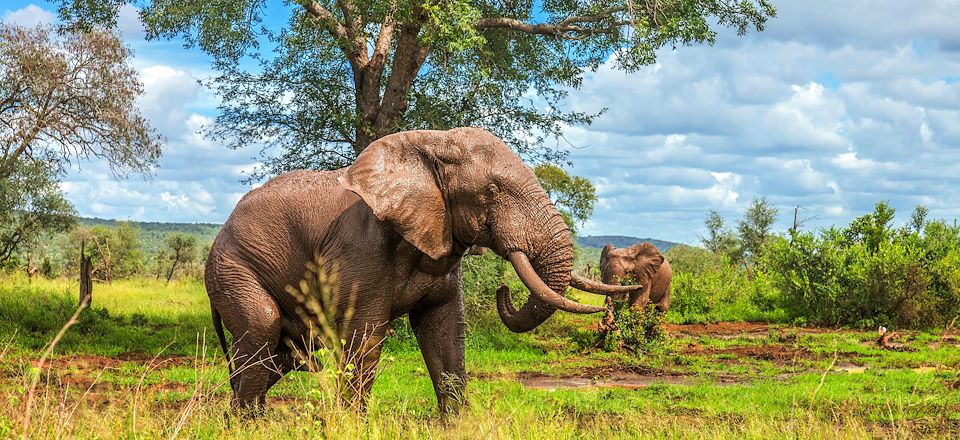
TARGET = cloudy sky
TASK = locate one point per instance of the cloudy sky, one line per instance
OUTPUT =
(836, 105)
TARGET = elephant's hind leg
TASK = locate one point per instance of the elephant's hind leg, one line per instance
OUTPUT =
(252, 316)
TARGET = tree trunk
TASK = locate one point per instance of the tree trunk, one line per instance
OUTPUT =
(380, 115)
(173, 266)
(31, 269)
(86, 280)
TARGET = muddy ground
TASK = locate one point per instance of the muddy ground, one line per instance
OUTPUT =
(719, 353)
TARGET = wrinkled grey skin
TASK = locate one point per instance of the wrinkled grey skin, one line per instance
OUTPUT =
(393, 226)
(641, 264)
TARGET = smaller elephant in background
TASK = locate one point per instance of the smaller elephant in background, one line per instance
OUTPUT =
(641, 264)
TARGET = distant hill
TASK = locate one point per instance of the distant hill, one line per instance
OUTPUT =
(152, 234)
(599, 241)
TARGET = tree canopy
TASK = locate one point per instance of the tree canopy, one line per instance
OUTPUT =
(64, 96)
(340, 74)
(755, 227)
(182, 250)
(574, 196)
(30, 203)
(720, 239)
(69, 95)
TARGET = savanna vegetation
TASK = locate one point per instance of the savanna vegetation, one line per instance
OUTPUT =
(141, 362)
(770, 333)
(870, 273)
(734, 357)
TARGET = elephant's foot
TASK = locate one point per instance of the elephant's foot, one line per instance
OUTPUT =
(248, 408)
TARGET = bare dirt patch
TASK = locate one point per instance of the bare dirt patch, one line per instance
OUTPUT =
(779, 354)
(85, 373)
(719, 328)
(748, 330)
(91, 363)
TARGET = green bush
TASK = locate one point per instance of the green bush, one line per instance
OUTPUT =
(693, 260)
(722, 292)
(641, 331)
(869, 273)
(481, 275)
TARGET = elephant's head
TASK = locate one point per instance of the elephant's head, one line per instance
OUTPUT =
(445, 191)
(635, 264)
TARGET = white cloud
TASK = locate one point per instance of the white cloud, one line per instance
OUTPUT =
(29, 16)
(811, 118)
(829, 112)
(129, 24)
(849, 161)
(167, 92)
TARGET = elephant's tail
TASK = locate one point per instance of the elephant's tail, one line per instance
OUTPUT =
(218, 327)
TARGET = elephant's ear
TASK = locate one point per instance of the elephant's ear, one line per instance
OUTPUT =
(647, 260)
(399, 177)
(605, 253)
(605, 259)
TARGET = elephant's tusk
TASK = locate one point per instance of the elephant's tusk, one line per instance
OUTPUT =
(588, 285)
(536, 285)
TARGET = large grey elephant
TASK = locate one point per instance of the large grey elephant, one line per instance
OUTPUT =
(640, 264)
(394, 226)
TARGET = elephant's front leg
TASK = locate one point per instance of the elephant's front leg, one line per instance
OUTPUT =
(639, 299)
(441, 330)
(364, 340)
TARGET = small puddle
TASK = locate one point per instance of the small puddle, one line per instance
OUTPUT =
(850, 368)
(625, 381)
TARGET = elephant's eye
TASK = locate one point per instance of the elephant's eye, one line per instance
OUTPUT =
(492, 188)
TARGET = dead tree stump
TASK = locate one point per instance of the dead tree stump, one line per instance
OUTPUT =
(86, 277)
(886, 337)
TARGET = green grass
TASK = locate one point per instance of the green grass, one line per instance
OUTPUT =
(126, 316)
(777, 382)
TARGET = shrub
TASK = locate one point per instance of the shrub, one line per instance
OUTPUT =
(481, 275)
(641, 331)
(722, 292)
(693, 260)
(869, 273)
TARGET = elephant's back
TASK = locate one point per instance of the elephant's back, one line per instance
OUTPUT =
(293, 187)
(275, 227)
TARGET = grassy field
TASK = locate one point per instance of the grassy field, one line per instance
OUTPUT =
(143, 363)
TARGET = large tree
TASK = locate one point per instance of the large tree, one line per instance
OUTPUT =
(64, 96)
(574, 196)
(755, 227)
(182, 250)
(342, 73)
(30, 204)
(69, 95)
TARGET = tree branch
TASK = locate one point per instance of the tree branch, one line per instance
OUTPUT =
(407, 60)
(339, 32)
(382, 46)
(353, 24)
(570, 28)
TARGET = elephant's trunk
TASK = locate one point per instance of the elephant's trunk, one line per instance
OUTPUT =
(550, 253)
(588, 285)
(546, 271)
(540, 289)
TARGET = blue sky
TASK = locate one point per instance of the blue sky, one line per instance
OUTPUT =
(836, 105)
